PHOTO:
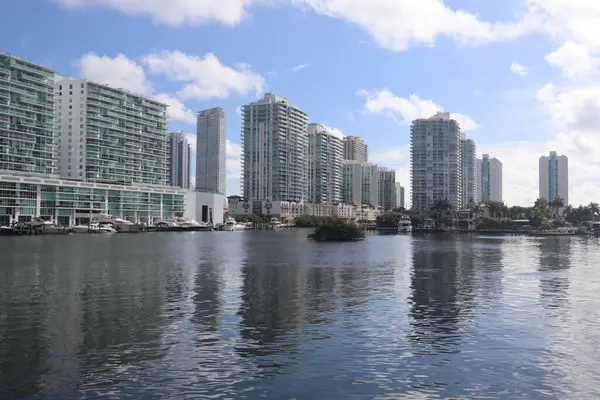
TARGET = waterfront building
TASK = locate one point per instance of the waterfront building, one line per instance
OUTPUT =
(111, 135)
(469, 172)
(355, 149)
(275, 155)
(325, 153)
(360, 183)
(387, 188)
(28, 142)
(400, 195)
(436, 161)
(179, 160)
(211, 151)
(491, 179)
(554, 177)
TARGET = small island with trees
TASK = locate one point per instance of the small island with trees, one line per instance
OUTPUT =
(337, 231)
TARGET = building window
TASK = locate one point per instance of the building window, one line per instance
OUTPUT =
(71, 93)
(71, 86)
(82, 85)
(70, 107)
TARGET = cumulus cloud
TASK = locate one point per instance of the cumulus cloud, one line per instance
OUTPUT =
(406, 110)
(118, 72)
(519, 69)
(574, 59)
(207, 77)
(176, 109)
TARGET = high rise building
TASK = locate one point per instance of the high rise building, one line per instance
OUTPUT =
(325, 152)
(400, 195)
(27, 137)
(111, 135)
(360, 183)
(491, 179)
(355, 149)
(179, 160)
(210, 151)
(387, 188)
(469, 172)
(436, 162)
(275, 150)
(554, 177)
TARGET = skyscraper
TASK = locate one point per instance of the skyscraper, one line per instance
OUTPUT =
(554, 177)
(275, 150)
(491, 179)
(436, 162)
(355, 149)
(210, 151)
(387, 188)
(179, 160)
(400, 195)
(325, 152)
(27, 139)
(111, 135)
(469, 172)
(360, 183)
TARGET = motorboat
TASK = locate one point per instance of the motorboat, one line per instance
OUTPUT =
(231, 225)
(274, 224)
(48, 227)
(121, 225)
(405, 225)
(94, 228)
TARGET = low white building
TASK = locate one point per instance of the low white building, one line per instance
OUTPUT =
(204, 207)
(345, 211)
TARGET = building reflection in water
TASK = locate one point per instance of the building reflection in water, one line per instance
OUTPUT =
(554, 263)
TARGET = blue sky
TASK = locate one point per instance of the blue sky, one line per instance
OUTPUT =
(520, 75)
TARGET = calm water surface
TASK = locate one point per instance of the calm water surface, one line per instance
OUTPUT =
(247, 315)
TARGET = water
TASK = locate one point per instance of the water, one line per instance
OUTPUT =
(250, 315)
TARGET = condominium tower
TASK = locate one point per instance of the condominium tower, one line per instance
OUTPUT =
(470, 174)
(491, 179)
(436, 161)
(387, 188)
(325, 153)
(360, 183)
(554, 177)
(179, 160)
(275, 150)
(211, 151)
(400, 196)
(355, 149)
(111, 135)
(27, 138)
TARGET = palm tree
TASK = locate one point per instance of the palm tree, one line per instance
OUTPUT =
(557, 204)
(594, 209)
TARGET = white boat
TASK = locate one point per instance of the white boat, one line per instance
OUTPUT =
(405, 225)
(274, 224)
(231, 225)
(94, 228)
(48, 227)
(121, 225)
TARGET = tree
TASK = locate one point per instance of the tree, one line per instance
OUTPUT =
(594, 209)
(556, 204)
(441, 209)
(540, 213)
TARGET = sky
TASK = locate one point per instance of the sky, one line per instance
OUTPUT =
(521, 76)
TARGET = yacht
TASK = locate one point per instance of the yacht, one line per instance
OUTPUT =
(405, 225)
(48, 227)
(94, 228)
(274, 224)
(121, 225)
(231, 225)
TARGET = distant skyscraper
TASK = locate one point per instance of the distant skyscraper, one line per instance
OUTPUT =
(387, 188)
(491, 179)
(436, 162)
(355, 149)
(554, 177)
(179, 160)
(360, 183)
(469, 171)
(210, 151)
(400, 196)
(325, 152)
(275, 142)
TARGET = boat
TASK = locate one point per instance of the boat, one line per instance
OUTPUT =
(231, 225)
(274, 224)
(94, 228)
(48, 227)
(121, 225)
(405, 225)
(594, 229)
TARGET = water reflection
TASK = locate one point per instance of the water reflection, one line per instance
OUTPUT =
(554, 263)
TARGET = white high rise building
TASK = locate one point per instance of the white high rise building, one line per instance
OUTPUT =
(275, 152)
(325, 153)
(387, 188)
(360, 183)
(491, 179)
(469, 172)
(179, 160)
(554, 177)
(400, 195)
(355, 149)
(210, 151)
(436, 162)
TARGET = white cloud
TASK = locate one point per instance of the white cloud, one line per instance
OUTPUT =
(574, 59)
(233, 150)
(207, 76)
(118, 72)
(176, 109)
(408, 109)
(191, 138)
(238, 110)
(175, 12)
(519, 69)
(300, 67)
(335, 132)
